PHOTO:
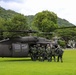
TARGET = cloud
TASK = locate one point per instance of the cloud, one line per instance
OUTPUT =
(16, 6)
(11, 0)
(63, 8)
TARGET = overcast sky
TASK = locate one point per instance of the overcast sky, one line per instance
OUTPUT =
(64, 9)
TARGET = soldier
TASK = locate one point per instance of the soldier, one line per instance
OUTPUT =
(53, 52)
(34, 53)
(49, 53)
(41, 53)
(59, 53)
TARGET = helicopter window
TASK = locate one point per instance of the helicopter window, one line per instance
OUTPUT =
(24, 47)
(17, 47)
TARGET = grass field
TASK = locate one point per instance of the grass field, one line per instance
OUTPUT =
(24, 66)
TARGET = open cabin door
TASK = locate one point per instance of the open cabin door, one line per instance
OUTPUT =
(20, 49)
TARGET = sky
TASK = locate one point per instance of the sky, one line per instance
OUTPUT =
(65, 9)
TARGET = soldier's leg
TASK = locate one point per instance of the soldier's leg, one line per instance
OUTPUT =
(49, 59)
(58, 58)
(54, 58)
(33, 57)
(39, 56)
(61, 58)
(43, 57)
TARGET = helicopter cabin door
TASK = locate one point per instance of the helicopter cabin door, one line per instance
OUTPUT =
(20, 49)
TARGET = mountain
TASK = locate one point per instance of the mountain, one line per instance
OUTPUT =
(63, 22)
(6, 14)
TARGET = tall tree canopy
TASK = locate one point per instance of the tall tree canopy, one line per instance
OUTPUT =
(67, 34)
(45, 21)
(17, 22)
(2, 26)
(2, 22)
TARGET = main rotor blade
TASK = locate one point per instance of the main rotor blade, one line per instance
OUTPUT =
(24, 31)
(66, 27)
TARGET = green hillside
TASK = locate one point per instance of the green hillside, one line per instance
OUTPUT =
(6, 14)
(63, 22)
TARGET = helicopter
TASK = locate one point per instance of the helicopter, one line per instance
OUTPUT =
(20, 46)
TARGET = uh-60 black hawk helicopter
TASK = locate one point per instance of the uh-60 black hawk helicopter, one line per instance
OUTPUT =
(21, 46)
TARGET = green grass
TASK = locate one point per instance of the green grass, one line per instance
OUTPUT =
(24, 66)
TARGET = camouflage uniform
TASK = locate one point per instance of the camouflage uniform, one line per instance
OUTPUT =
(41, 53)
(59, 52)
(34, 53)
(53, 53)
(49, 54)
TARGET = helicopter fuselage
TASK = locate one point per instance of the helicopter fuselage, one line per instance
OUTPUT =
(18, 47)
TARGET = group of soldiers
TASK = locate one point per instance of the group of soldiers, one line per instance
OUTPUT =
(48, 52)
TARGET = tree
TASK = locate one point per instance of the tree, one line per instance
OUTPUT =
(2, 27)
(45, 21)
(18, 22)
(2, 21)
(67, 34)
(62, 43)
